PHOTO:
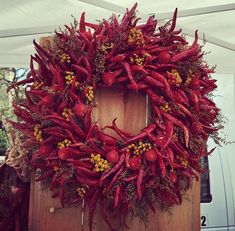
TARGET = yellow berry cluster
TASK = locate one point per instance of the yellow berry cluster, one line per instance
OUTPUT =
(90, 93)
(66, 112)
(69, 77)
(139, 60)
(65, 58)
(139, 147)
(165, 107)
(100, 164)
(135, 37)
(37, 85)
(177, 78)
(38, 133)
(106, 47)
(65, 143)
(182, 161)
(82, 190)
(189, 77)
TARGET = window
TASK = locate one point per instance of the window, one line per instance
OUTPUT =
(206, 196)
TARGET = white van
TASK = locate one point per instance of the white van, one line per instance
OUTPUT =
(217, 205)
(218, 191)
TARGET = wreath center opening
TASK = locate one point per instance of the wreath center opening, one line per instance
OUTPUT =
(130, 109)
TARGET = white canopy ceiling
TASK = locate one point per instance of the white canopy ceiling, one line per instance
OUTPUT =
(23, 20)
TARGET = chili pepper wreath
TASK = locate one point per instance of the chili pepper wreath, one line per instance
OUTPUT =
(78, 159)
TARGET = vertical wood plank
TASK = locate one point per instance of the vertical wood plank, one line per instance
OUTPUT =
(128, 108)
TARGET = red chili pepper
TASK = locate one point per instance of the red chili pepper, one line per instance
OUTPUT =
(42, 67)
(209, 129)
(159, 123)
(160, 49)
(55, 134)
(114, 168)
(40, 93)
(184, 110)
(173, 24)
(162, 166)
(130, 178)
(77, 129)
(61, 107)
(171, 155)
(127, 159)
(58, 79)
(194, 98)
(140, 86)
(157, 110)
(169, 132)
(162, 79)
(41, 51)
(154, 97)
(179, 149)
(187, 53)
(70, 30)
(129, 74)
(109, 77)
(159, 77)
(117, 196)
(88, 67)
(22, 113)
(177, 32)
(208, 107)
(127, 16)
(122, 79)
(122, 134)
(71, 136)
(107, 139)
(138, 69)
(88, 181)
(69, 153)
(181, 40)
(82, 162)
(22, 82)
(173, 177)
(117, 58)
(139, 182)
(91, 132)
(80, 70)
(32, 70)
(153, 82)
(87, 171)
(145, 132)
(60, 121)
(180, 124)
(91, 25)
(21, 126)
(114, 179)
(87, 120)
(82, 26)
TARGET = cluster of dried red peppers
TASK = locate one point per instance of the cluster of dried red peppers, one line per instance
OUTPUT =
(82, 162)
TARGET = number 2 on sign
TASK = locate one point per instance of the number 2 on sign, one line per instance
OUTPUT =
(203, 221)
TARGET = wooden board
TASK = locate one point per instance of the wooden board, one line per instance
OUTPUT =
(130, 111)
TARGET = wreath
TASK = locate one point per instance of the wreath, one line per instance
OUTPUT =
(75, 156)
